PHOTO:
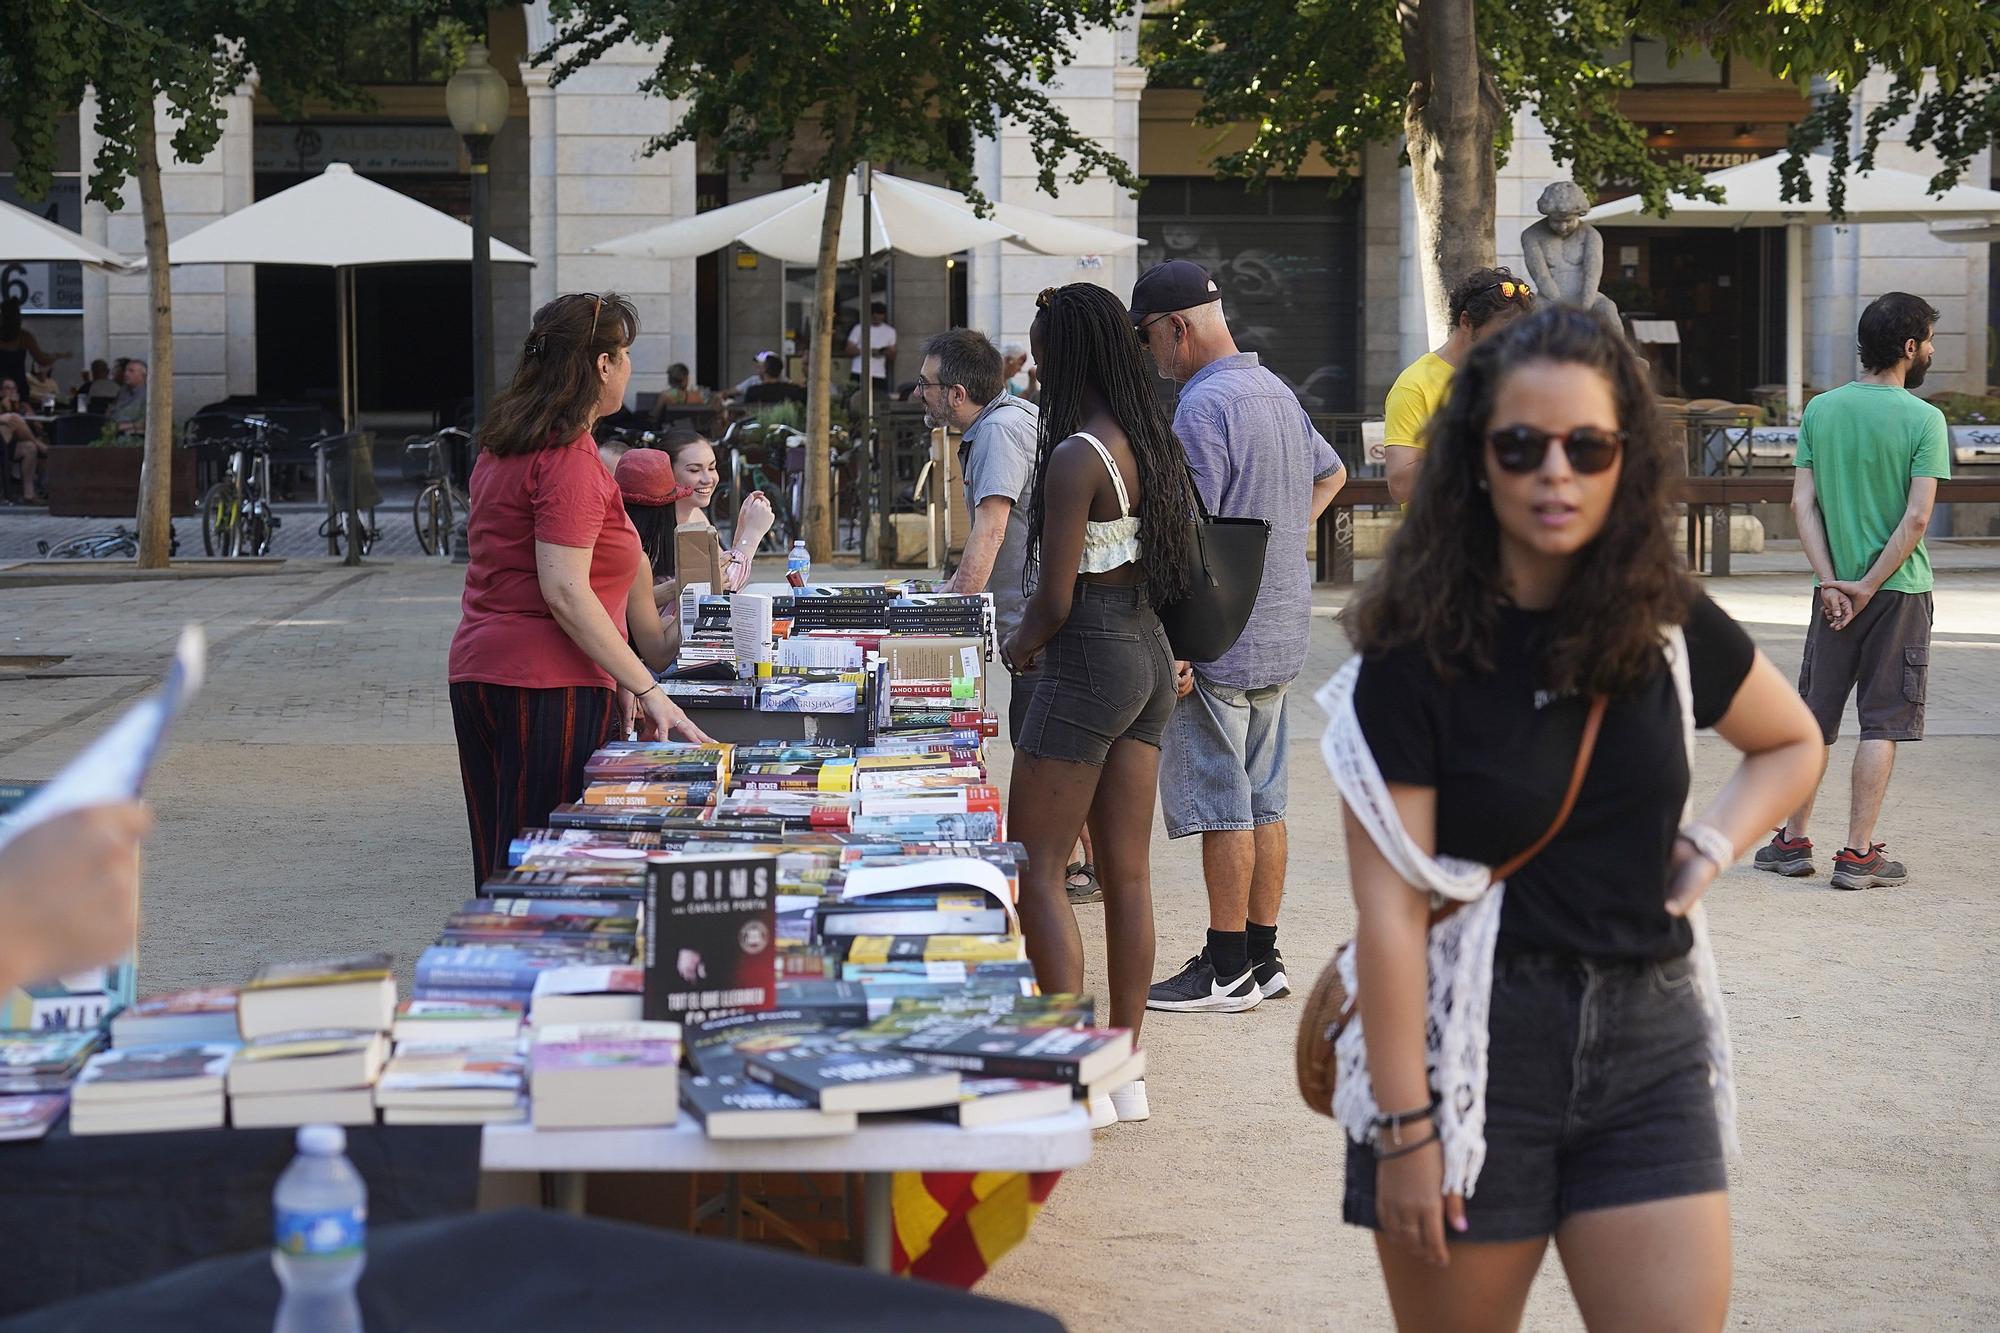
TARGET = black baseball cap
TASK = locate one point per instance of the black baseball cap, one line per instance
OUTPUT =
(1178, 284)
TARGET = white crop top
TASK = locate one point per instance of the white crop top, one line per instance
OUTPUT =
(1106, 546)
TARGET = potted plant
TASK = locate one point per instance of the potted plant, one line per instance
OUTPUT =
(101, 479)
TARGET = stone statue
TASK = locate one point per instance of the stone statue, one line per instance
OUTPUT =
(1565, 254)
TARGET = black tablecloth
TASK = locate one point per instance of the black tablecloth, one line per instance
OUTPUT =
(525, 1270)
(78, 1215)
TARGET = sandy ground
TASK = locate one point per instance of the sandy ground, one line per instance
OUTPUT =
(310, 804)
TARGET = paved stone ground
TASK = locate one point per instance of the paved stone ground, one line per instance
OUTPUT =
(310, 803)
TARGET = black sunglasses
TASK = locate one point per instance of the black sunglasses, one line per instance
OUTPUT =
(1522, 448)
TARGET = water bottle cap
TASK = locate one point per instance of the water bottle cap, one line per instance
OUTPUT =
(322, 1140)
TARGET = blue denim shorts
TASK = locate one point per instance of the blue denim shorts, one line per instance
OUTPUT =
(1106, 676)
(1224, 762)
(1599, 1094)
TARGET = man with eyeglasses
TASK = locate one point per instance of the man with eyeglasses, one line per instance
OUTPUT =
(1479, 305)
(963, 386)
(1224, 760)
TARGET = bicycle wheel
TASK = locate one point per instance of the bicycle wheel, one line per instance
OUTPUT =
(256, 530)
(432, 516)
(221, 517)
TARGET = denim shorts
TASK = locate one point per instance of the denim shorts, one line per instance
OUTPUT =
(1106, 676)
(1598, 1095)
(1224, 762)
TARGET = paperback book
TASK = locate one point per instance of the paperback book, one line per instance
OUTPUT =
(710, 935)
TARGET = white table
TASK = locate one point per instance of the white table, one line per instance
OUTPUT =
(876, 1150)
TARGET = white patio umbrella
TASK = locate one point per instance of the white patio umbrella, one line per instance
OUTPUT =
(1967, 235)
(1753, 197)
(27, 237)
(342, 221)
(908, 216)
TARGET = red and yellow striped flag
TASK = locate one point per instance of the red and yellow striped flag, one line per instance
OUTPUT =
(952, 1226)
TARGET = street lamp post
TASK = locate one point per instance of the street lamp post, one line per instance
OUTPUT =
(476, 100)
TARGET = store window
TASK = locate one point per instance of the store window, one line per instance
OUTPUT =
(398, 50)
(1287, 257)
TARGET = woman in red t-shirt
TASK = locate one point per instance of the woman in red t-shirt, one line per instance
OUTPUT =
(541, 660)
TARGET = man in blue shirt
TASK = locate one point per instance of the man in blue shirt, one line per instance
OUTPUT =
(1255, 454)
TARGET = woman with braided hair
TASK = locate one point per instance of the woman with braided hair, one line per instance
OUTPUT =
(541, 669)
(1108, 542)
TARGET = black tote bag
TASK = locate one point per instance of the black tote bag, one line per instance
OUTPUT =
(1227, 570)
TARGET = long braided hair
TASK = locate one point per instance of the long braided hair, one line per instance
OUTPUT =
(1088, 342)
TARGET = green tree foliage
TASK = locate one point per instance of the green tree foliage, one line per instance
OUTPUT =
(183, 57)
(1337, 75)
(827, 84)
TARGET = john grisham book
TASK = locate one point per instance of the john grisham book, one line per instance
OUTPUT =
(711, 931)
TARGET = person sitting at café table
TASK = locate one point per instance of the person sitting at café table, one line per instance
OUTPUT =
(128, 410)
(771, 385)
(96, 382)
(22, 441)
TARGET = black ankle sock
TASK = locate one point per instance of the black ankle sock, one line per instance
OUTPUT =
(1261, 940)
(1227, 953)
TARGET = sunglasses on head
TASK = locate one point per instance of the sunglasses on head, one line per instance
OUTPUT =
(1521, 449)
(1509, 290)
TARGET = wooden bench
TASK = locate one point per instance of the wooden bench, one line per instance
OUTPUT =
(1708, 500)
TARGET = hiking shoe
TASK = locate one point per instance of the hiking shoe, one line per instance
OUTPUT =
(1785, 856)
(1271, 978)
(1081, 886)
(1197, 989)
(1872, 870)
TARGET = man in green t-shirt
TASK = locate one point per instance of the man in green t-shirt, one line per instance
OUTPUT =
(1870, 457)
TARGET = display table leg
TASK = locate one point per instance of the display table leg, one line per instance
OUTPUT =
(877, 1251)
(564, 1191)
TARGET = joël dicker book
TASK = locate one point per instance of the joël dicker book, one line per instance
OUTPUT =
(711, 932)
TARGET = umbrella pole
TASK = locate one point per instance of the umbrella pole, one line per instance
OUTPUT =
(1795, 318)
(884, 465)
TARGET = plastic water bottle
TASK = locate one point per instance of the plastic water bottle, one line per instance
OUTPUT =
(320, 1232)
(798, 565)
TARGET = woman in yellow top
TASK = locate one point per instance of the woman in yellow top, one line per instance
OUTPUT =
(1480, 304)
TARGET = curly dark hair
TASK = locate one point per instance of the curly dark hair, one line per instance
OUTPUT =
(553, 396)
(1477, 297)
(1439, 585)
(1088, 342)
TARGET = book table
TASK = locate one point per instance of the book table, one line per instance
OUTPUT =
(876, 1150)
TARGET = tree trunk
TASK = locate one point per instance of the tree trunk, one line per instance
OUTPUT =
(156, 472)
(819, 516)
(1453, 110)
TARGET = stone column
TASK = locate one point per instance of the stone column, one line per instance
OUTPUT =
(541, 183)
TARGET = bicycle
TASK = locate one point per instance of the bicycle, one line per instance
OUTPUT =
(440, 502)
(118, 544)
(236, 514)
(769, 458)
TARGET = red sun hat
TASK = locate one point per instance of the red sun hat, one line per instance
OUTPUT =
(646, 477)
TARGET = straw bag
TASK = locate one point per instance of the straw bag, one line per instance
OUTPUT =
(1329, 1006)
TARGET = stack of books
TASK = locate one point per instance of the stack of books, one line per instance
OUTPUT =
(456, 1023)
(204, 1014)
(493, 949)
(474, 1084)
(605, 1075)
(150, 1089)
(315, 1036)
(706, 632)
(36, 1071)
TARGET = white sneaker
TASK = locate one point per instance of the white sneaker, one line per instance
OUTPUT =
(1130, 1101)
(1103, 1114)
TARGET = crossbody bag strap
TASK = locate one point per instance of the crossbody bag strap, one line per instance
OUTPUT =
(1591, 725)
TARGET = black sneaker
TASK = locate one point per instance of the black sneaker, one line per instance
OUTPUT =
(1856, 870)
(1271, 978)
(1785, 856)
(1197, 989)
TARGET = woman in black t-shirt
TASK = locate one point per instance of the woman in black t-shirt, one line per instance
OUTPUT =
(1534, 572)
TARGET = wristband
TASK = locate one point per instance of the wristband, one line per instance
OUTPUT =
(648, 690)
(1407, 1149)
(1710, 844)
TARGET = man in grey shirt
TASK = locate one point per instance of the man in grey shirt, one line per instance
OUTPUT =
(962, 385)
(1255, 454)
